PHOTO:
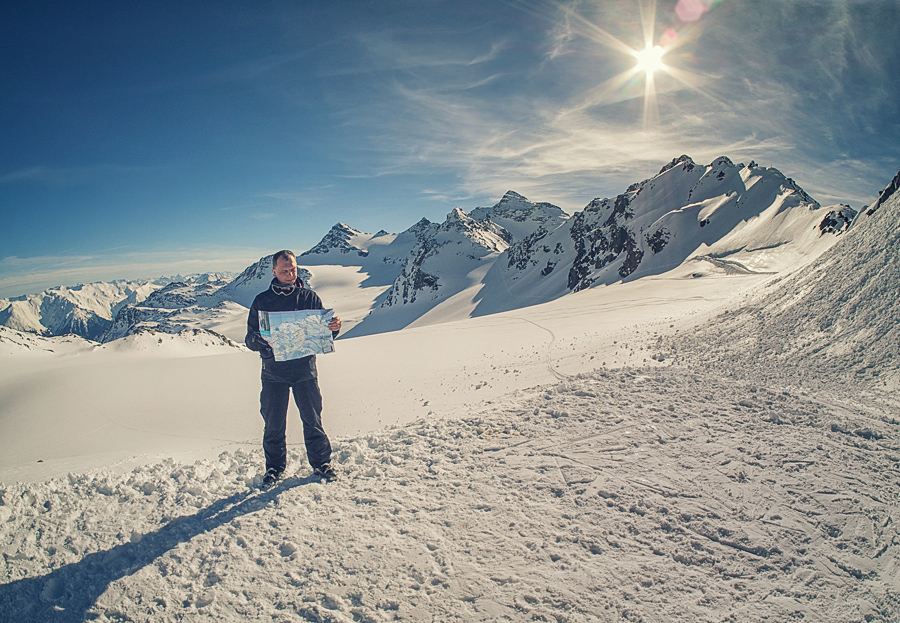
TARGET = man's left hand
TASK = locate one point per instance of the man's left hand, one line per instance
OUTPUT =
(335, 324)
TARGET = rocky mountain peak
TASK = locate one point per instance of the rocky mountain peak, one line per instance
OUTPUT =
(339, 238)
(520, 217)
(511, 196)
(837, 221)
(422, 230)
(682, 161)
(722, 162)
(457, 216)
(886, 194)
(262, 269)
(483, 233)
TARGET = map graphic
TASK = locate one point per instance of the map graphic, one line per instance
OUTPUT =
(296, 334)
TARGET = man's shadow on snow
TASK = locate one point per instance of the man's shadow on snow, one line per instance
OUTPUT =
(66, 594)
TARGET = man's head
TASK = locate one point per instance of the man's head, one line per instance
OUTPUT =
(284, 267)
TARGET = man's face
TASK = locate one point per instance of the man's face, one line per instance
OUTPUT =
(286, 271)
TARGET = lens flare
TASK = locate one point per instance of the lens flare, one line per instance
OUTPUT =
(669, 38)
(692, 10)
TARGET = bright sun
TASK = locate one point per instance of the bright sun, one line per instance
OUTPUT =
(650, 60)
(654, 59)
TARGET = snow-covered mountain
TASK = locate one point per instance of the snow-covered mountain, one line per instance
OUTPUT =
(343, 239)
(136, 319)
(381, 256)
(451, 258)
(517, 253)
(721, 216)
(460, 242)
(185, 294)
(520, 217)
(14, 342)
(86, 310)
(755, 217)
(197, 304)
(90, 310)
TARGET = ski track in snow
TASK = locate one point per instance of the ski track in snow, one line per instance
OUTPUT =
(637, 494)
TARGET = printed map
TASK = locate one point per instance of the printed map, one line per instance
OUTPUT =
(296, 334)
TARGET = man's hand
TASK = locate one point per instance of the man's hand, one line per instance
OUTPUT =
(335, 324)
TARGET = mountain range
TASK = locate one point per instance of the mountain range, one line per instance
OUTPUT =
(720, 218)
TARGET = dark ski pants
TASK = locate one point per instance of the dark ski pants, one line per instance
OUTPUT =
(273, 401)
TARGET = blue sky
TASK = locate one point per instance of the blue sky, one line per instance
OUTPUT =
(142, 139)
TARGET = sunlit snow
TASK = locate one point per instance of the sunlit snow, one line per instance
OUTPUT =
(705, 444)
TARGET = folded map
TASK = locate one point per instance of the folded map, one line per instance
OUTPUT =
(296, 334)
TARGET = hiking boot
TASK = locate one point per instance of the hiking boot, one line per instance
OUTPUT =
(271, 477)
(325, 472)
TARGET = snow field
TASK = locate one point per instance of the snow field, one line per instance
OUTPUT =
(637, 494)
(492, 468)
(67, 409)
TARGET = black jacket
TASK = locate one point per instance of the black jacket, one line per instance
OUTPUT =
(299, 298)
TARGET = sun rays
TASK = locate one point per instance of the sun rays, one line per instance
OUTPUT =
(653, 58)
(649, 61)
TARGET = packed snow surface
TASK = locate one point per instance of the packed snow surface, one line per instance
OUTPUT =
(627, 495)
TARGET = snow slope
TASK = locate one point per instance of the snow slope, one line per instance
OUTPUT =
(167, 404)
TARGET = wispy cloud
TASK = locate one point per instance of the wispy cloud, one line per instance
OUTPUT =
(556, 153)
(304, 198)
(732, 90)
(404, 50)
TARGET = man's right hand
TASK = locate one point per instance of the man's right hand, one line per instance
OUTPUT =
(255, 341)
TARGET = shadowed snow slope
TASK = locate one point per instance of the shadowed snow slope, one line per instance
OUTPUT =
(838, 318)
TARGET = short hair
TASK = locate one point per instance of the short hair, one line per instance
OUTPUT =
(285, 254)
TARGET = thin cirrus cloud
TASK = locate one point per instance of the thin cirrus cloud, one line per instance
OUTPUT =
(730, 90)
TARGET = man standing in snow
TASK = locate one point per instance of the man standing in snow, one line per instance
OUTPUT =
(279, 378)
